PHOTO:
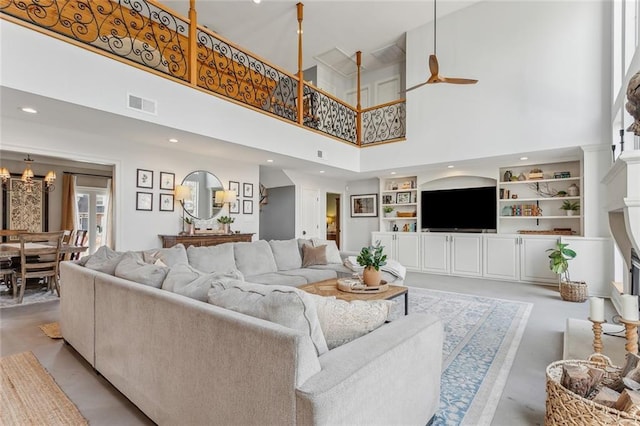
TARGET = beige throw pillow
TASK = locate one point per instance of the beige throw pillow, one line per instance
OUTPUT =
(333, 253)
(343, 321)
(313, 255)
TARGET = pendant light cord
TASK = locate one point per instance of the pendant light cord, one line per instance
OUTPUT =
(434, 27)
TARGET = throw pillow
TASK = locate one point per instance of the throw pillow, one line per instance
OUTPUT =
(104, 260)
(212, 258)
(333, 253)
(133, 268)
(169, 256)
(283, 305)
(343, 321)
(313, 255)
(188, 281)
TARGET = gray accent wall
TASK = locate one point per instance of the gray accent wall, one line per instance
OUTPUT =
(358, 229)
(277, 218)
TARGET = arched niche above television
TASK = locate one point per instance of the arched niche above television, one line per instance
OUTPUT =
(457, 182)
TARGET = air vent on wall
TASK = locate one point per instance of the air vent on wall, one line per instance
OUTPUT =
(142, 104)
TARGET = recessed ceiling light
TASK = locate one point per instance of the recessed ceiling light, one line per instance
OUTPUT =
(321, 171)
(524, 158)
(173, 140)
(450, 166)
(29, 110)
(269, 161)
(393, 173)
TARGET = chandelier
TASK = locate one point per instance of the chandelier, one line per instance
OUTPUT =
(27, 178)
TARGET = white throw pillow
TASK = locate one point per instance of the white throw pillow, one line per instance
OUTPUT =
(283, 305)
(185, 280)
(104, 260)
(343, 321)
(333, 254)
(133, 268)
(169, 256)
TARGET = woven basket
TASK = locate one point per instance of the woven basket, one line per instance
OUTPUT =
(406, 214)
(574, 291)
(567, 408)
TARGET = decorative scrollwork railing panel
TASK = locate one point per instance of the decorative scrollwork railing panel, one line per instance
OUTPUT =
(328, 115)
(384, 123)
(138, 30)
(225, 69)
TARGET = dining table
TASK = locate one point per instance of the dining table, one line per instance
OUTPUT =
(13, 249)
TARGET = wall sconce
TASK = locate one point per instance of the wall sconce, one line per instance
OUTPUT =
(27, 178)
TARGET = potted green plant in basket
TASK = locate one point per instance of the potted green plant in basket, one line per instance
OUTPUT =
(573, 291)
(372, 258)
(571, 207)
(226, 222)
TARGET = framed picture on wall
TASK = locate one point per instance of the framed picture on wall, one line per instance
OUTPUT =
(234, 186)
(234, 208)
(247, 206)
(166, 202)
(144, 178)
(144, 201)
(364, 205)
(167, 180)
(247, 190)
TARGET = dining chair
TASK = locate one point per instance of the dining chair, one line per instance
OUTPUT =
(31, 266)
(7, 273)
(79, 239)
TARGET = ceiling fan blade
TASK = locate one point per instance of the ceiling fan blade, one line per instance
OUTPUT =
(458, 80)
(416, 86)
(433, 65)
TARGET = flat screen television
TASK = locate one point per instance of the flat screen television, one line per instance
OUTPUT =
(463, 209)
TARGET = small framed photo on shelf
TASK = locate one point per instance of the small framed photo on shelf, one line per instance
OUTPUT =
(247, 190)
(144, 178)
(388, 199)
(234, 208)
(167, 181)
(364, 205)
(166, 202)
(403, 198)
(247, 206)
(144, 201)
(234, 186)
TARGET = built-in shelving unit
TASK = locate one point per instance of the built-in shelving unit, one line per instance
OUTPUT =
(400, 194)
(530, 198)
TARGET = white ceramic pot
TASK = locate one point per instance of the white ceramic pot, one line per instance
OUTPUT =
(570, 212)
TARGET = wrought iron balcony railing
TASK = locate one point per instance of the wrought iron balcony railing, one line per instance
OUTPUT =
(152, 37)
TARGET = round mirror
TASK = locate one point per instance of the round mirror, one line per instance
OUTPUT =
(202, 203)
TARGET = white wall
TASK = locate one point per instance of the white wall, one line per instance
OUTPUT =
(544, 82)
(139, 229)
(358, 229)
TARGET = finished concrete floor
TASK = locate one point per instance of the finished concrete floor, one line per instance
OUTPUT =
(522, 401)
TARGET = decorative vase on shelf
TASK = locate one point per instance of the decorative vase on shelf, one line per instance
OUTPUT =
(370, 276)
(191, 228)
(573, 190)
(507, 176)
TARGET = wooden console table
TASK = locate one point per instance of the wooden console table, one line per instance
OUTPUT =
(203, 239)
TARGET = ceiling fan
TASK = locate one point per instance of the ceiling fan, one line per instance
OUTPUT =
(433, 64)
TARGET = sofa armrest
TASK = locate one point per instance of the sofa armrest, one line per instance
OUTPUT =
(389, 376)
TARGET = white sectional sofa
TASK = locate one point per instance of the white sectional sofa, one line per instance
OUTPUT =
(183, 361)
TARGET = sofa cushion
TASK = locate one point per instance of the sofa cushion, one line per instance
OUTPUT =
(343, 321)
(254, 258)
(313, 255)
(311, 275)
(133, 268)
(286, 254)
(283, 305)
(169, 256)
(212, 258)
(277, 278)
(104, 260)
(333, 254)
(186, 280)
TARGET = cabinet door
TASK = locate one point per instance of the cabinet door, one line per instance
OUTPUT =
(501, 258)
(408, 250)
(466, 255)
(534, 259)
(593, 263)
(386, 239)
(435, 253)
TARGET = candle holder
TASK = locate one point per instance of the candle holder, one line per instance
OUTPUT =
(597, 336)
(631, 334)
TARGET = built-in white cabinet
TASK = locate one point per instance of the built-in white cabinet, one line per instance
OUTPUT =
(519, 258)
(452, 254)
(399, 204)
(401, 246)
(534, 259)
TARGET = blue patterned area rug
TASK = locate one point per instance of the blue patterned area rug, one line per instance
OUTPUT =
(482, 336)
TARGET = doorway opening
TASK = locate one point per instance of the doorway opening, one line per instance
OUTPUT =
(333, 218)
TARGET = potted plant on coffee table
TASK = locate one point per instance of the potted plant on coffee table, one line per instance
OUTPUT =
(573, 291)
(372, 259)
